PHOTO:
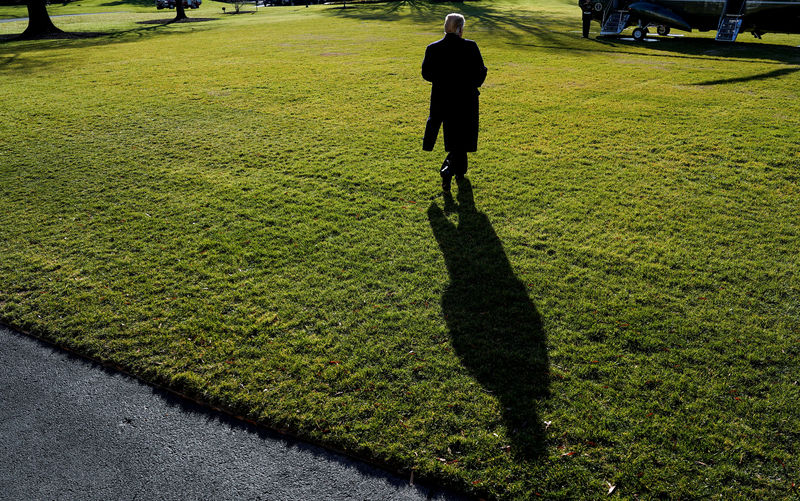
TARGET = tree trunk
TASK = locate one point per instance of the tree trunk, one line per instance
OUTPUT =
(39, 22)
(180, 13)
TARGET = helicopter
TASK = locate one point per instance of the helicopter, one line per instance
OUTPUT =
(728, 17)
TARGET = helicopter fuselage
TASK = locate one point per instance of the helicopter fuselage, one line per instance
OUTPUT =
(758, 16)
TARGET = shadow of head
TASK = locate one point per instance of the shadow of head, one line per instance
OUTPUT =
(494, 326)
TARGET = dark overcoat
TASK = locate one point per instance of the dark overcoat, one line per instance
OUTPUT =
(455, 68)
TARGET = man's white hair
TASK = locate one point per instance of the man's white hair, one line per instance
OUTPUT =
(453, 23)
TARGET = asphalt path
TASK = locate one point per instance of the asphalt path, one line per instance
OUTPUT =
(72, 429)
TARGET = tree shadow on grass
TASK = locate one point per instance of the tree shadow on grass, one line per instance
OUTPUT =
(137, 3)
(64, 35)
(546, 31)
(12, 49)
(480, 16)
(692, 48)
(181, 21)
(768, 75)
(495, 328)
(705, 48)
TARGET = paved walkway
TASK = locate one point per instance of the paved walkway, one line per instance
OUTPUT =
(71, 429)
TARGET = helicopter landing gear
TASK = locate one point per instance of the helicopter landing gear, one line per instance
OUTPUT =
(662, 30)
(639, 33)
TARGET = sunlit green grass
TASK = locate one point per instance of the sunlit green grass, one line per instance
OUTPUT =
(239, 208)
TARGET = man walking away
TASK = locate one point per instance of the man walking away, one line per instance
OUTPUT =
(455, 68)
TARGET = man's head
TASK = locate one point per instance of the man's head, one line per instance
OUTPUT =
(454, 23)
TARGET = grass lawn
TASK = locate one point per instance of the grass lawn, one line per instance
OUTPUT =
(240, 209)
(72, 7)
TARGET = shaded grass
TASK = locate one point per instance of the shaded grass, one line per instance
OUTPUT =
(103, 7)
(247, 217)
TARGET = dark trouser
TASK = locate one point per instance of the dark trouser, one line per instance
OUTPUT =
(458, 162)
(587, 21)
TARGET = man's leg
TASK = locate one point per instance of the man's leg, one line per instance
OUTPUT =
(587, 21)
(447, 173)
(458, 163)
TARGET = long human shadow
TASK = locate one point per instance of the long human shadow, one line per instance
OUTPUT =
(495, 328)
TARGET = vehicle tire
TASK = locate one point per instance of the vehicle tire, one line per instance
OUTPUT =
(662, 30)
(639, 34)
